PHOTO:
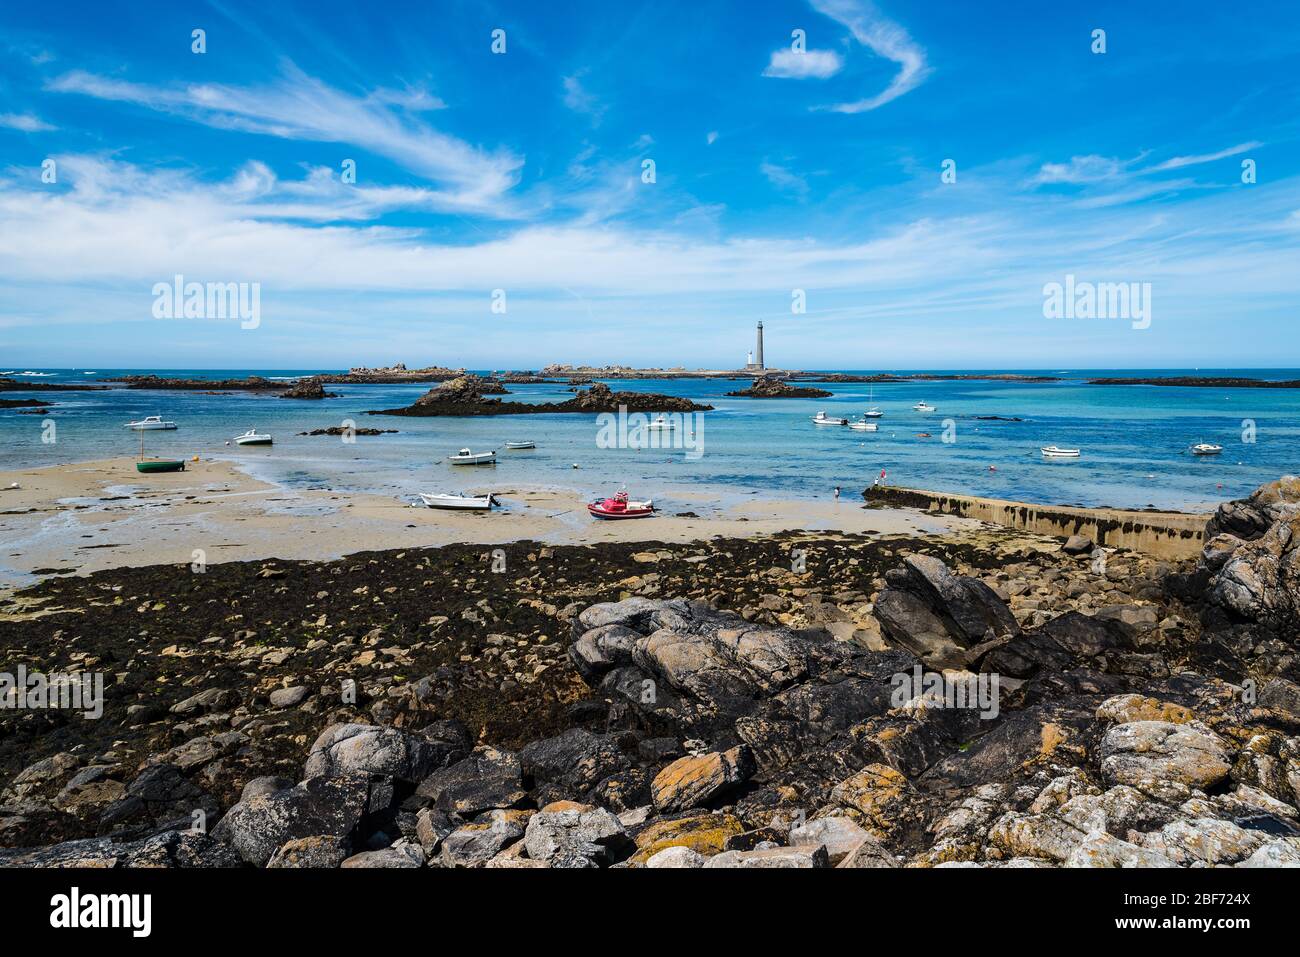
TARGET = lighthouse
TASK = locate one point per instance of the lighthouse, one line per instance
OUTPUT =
(755, 363)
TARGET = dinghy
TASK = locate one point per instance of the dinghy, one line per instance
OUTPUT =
(253, 437)
(821, 418)
(1052, 452)
(150, 423)
(157, 465)
(466, 457)
(521, 445)
(469, 502)
(1205, 448)
(620, 507)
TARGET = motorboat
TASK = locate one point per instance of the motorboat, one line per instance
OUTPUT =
(923, 407)
(1205, 448)
(821, 418)
(150, 423)
(864, 426)
(620, 507)
(253, 437)
(467, 502)
(1052, 452)
(661, 423)
(466, 457)
(521, 445)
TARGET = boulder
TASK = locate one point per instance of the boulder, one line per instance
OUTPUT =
(322, 806)
(1164, 759)
(697, 779)
(474, 844)
(772, 857)
(593, 833)
(317, 851)
(370, 749)
(485, 780)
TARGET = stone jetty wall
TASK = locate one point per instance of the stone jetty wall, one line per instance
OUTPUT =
(1172, 535)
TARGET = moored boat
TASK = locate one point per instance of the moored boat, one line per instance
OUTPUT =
(160, 465)
(1052, 452)
(620, 507)
(466, 502)
(821, 418)
(521, 445)
(253, 437)
(150, 423)
(923, 406)
(864, 426)
(1205, 448)
(661, 423)
(466, 457)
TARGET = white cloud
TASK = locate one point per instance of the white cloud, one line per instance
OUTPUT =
(25, 122)
(794, 65)
(1178, 162)
(886, 39)
(579, 99)
(301, 107)
(712, 137)
(784, 179)
(1082, 169)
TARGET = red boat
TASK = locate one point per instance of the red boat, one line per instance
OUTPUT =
(620, 507)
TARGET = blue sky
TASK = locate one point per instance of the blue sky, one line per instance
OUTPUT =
(775, 170)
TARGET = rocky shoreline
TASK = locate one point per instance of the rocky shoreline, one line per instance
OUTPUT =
(795, 701)
(1215, 382)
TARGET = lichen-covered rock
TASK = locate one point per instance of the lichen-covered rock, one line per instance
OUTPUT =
(771, 857)
(370, 749)
(697, 779)
(591, 833)
(321, 806)
(1164, 759)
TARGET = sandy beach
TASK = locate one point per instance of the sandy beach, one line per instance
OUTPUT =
(103, 514)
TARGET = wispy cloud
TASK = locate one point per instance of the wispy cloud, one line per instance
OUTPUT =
(1178, 162)
(886, 39)
(581, 100)
(301, 107)
(25, 122)
(791, 64)
(1083, 169)
(784, 179)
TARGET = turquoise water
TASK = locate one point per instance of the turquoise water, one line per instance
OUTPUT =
(1134, 439)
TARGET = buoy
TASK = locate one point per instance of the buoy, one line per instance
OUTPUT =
(993, 468)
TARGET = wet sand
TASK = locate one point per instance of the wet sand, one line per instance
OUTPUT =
(97, 515)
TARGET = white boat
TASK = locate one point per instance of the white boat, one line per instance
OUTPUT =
(521, 445)
(864, 426)
(661, 424)
(1205, 448)
(821, 418)
(873, 412)
(1052, 452)
(150, 423)
(922, 407)
(469, 502)
(253, 437)
(466, 457)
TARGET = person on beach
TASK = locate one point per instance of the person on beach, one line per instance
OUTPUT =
(837, 493)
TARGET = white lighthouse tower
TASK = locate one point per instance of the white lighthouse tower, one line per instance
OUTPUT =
(755, 363)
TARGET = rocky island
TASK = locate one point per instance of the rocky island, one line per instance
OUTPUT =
(465, 396)
(773, 387)
(1211, 382)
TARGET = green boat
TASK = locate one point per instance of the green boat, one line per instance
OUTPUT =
(157, 465)
(160, 465)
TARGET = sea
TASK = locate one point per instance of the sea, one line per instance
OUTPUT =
(983, 438)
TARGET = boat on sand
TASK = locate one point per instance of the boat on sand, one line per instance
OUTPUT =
(466, 457)
(620, 506)
(465, 502)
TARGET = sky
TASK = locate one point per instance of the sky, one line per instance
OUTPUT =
(640, 182)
